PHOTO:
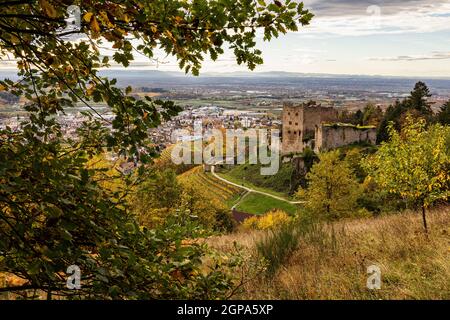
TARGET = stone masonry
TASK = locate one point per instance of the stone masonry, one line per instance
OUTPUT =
(331, 136)
(299, 124)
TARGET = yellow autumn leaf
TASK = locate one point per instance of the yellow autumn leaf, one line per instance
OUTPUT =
(105, 18)
(87, 17)
(169, 35)
(2, 87)
(121, 31)
(90, 89)
(94, 25)
(48, 8)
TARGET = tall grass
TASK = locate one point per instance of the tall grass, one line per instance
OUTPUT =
(278, 243)
(312, 261)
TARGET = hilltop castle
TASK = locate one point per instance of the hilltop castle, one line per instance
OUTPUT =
(317, 127)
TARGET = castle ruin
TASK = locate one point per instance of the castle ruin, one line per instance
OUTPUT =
(299, 125)
(316, 126)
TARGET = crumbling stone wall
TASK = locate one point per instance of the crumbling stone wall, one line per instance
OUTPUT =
(333, 136)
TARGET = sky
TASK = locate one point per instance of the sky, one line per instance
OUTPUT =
(376, 37)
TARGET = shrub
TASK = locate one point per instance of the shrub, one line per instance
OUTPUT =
(250, 223)
(272, 219)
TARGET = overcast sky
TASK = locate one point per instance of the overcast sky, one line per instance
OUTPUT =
(377, 37)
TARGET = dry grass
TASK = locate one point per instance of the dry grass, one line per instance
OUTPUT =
(333, 264)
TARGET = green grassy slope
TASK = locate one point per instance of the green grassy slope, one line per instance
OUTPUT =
(259, 204)
(250, 176)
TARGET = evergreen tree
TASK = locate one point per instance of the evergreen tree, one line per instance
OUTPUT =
(418, 99)
(416, 105)
(443, 117)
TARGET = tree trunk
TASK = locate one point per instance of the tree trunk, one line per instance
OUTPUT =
(424, 219)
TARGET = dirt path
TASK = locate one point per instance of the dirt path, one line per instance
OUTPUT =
(251, 190)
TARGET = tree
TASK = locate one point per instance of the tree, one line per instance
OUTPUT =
(358, 118)
(332, 188)
(155, 197)
(414, 164)
(208, 212)
(418, 98)
(55, 214)
(270, 220)
(443, 117)
(416, 104)
(372, 115)
(161, 197)
(392, 114)
(53, 210)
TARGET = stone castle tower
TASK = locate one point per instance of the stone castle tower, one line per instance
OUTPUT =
(299, 124)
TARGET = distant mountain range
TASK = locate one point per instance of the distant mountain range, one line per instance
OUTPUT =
(154, 74)
(279, 79)
(240, 74)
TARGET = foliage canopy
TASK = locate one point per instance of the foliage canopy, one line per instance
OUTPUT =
(414, 164)
(53, 210)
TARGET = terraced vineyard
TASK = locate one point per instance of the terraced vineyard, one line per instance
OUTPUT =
(164, 161)
(165, 156)
(213, 187)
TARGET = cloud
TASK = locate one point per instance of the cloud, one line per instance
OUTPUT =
(299, 59)
(359, 18)
(432, 56)
(325, 8)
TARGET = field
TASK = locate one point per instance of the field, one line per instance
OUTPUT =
(331, 262)
(259, 204)
(250, 176)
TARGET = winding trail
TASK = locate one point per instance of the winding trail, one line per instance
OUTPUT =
(249, 190)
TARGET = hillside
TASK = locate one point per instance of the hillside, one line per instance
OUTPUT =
(333, 265)
(250, 176)
(232, 196)
(259, 204)
(215, 188)
(164, 161)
